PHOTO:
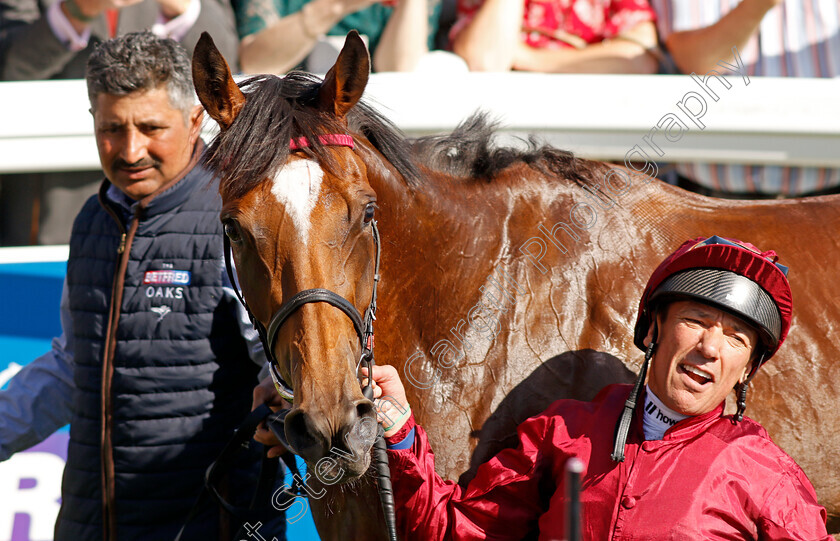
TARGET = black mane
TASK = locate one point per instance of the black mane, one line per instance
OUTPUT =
(279, 109)
(469, 152)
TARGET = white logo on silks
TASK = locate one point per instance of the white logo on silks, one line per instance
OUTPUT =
(658, 417)
(161, 311)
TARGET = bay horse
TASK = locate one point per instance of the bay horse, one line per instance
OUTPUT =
(510, 277)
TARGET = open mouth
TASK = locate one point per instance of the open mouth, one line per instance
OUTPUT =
(700, 376)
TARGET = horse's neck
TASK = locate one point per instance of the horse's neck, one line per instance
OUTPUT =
(461, 227)
(447, 242)
(452, 230)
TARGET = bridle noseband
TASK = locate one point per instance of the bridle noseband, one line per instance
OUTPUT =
(363, 325)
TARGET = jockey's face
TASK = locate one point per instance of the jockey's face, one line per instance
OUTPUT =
(702, 352)
(143, 141)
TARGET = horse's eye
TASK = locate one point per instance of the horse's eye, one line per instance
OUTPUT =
(369, 210)
(232, 231)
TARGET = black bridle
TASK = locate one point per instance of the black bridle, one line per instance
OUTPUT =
(363, 325)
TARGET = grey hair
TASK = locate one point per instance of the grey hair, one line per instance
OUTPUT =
(138, 62)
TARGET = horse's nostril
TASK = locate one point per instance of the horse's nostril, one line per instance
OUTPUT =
(363, 426)
(304, 438)
(365, 408)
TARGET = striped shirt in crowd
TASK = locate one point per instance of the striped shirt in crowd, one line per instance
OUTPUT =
(798, 38)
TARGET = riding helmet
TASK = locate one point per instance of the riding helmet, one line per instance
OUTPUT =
(728, 274)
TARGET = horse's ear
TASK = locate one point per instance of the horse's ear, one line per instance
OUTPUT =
(345, 82)
(214, 84)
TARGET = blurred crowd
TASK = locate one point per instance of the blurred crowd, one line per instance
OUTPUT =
(51, 39)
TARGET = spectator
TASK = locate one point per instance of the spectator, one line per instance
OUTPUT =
(151, 369)
(278, 35)
(670, 466)
(571, 36)
(793, 38)
(52, 40)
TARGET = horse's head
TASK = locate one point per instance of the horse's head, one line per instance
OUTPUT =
(298, 211)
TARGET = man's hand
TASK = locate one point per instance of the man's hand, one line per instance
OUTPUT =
(265, 393)
(392, 411)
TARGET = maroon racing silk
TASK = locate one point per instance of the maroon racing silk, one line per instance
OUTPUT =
(708, 478)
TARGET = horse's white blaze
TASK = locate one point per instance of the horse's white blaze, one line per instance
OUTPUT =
(297, 186)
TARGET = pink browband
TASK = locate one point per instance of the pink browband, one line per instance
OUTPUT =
(335, 139)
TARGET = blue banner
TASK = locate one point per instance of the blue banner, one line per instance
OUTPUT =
(30, 481)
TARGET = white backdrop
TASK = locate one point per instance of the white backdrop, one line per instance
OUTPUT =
(45, 126)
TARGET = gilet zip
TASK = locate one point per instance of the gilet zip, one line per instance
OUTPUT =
(109, 519)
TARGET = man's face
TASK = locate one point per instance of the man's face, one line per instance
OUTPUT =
(702, 353)
(143, 141)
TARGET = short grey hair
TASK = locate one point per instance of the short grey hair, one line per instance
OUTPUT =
(139, 62)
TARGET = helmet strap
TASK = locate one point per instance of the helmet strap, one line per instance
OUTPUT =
(741, 389)
(622, 429)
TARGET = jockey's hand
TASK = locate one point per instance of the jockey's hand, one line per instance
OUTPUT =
(392, 408)
(265, 393)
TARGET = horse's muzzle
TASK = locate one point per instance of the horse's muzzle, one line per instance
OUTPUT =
(334, 453)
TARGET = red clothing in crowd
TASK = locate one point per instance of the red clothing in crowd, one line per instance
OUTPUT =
(708, 478)
(566, 23)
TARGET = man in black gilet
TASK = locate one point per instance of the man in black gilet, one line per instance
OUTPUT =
(152, 371)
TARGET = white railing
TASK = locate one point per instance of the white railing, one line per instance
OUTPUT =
(34, 254)
(45, 125)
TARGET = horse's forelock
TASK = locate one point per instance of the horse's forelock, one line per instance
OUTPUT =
(257, 143)
(278, 109)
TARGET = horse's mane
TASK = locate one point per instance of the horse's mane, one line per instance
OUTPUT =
(469, 152)
(279, 109)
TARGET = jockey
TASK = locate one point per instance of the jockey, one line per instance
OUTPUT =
(661, 460)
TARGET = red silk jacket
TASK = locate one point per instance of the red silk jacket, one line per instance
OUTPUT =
(708, 478)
